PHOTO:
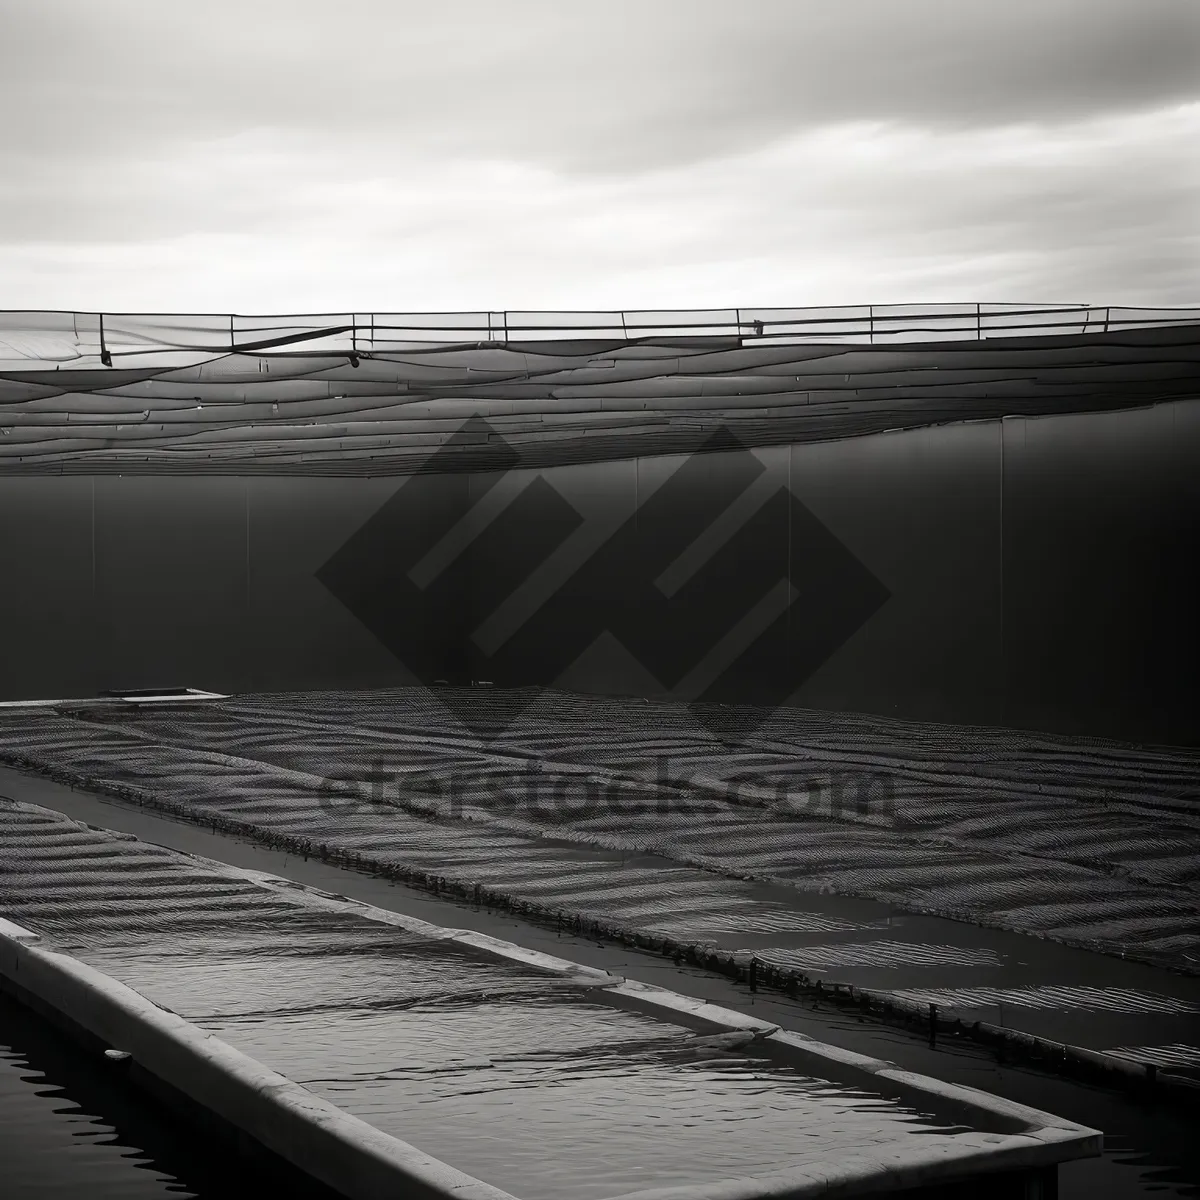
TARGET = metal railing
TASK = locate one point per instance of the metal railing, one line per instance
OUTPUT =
(49, 340)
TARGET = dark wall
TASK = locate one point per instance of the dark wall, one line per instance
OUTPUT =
(1034, 572)
(1101, 535)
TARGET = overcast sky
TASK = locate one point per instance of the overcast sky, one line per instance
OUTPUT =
(358, 155)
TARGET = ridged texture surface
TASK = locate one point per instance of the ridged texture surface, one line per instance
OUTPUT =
(355, 394)
(623, 812)
(1078, 840)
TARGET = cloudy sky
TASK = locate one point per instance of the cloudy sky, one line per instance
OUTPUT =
(386, 155)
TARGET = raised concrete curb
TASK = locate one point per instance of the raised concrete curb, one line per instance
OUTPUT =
(345, 1153)
(1021, 1138)
(362, 1163)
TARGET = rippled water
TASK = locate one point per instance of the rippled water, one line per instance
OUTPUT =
(250, 970)
(552, 1099)
(1110, 842)
(582, 1130)
(511, 1076)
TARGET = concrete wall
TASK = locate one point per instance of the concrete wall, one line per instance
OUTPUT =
(1030, 572)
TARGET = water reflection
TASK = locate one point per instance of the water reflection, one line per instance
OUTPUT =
(69, 1129)
(55, 1146)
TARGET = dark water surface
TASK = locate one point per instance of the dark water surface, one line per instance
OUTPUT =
(66, 1130)
(69, 1130)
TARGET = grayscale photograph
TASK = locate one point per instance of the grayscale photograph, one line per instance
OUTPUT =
(599, 600)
